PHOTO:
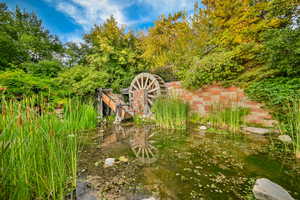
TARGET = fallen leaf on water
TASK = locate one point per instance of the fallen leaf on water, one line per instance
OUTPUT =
(123, 159)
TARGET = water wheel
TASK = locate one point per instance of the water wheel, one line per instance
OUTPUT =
(143, 90)
(142, 145)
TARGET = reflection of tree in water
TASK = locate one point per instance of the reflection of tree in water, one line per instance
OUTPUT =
(142, 145)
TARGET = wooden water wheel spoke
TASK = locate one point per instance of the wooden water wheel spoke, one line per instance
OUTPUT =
(152, 154)
(147, 153)
(142, 82)
(145, 86)
(153, 90)
(134, 88)
(149, 101)
(151, 96)
(138, 84)
(138, 152)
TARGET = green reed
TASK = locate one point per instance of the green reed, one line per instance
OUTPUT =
(170, 112)
(38, 150)
(229, 116)
(293, 125)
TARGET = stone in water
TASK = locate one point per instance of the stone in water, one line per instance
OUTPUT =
(109, 162)
(203, 128)
(264, 189)
(285, 138)
(260, 131)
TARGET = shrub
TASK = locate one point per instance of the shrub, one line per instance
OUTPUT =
(282, 51)
(18, 83)
(276, 93)
(45, 68)
(219, 66)
(82, 80)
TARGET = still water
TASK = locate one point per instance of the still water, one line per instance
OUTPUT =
(175, 164)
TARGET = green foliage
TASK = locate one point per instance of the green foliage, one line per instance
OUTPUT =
(44, 68)
(23, 38)
(276, 93)
(282, 51)
(38, 151)
(114, 52)
(76, 54)
(219, 66)
(170, 112)
(82, 81)
(293, 125)
(18, 83)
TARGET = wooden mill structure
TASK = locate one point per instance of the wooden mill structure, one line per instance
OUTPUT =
(143, 90)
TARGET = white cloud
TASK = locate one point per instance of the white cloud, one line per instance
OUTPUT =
(90, 12)
(87, 13)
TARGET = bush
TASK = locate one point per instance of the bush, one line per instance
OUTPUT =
(82, 81)
(219, 66)
(282, 51)
(276, 93)
(18, 83)
(45, 68)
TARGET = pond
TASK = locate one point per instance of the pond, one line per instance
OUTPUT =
(153, 163)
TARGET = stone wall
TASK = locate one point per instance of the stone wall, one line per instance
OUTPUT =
(203, 99)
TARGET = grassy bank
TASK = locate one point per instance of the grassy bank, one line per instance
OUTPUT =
(38, 150)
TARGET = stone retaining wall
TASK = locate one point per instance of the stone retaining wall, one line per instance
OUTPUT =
(203, 99)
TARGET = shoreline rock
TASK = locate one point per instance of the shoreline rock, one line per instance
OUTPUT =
(264, 189)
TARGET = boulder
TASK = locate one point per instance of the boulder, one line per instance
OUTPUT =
(264, 189)
(285, 138)
(256, 130)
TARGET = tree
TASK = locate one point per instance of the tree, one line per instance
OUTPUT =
(75, 54)
(23, 38)
(167, 41)
(114, 52)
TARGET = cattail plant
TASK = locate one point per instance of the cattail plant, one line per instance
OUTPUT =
(38, 151)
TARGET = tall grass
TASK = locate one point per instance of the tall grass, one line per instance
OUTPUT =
(293, 125)
(170, 112)
(229, 116)
(38, 151)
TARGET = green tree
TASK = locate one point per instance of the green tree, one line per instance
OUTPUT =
(24, 39)
(114, 52)
(76, 53)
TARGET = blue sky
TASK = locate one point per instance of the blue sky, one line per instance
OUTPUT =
(70, 19)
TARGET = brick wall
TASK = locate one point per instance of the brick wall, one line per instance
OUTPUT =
(203, 99)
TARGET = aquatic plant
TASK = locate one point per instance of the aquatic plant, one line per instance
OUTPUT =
(170, 112)
(293, 125)
(229, 116)
(38, 150)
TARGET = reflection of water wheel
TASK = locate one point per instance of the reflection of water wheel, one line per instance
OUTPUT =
(147, 87)
(141, 145)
